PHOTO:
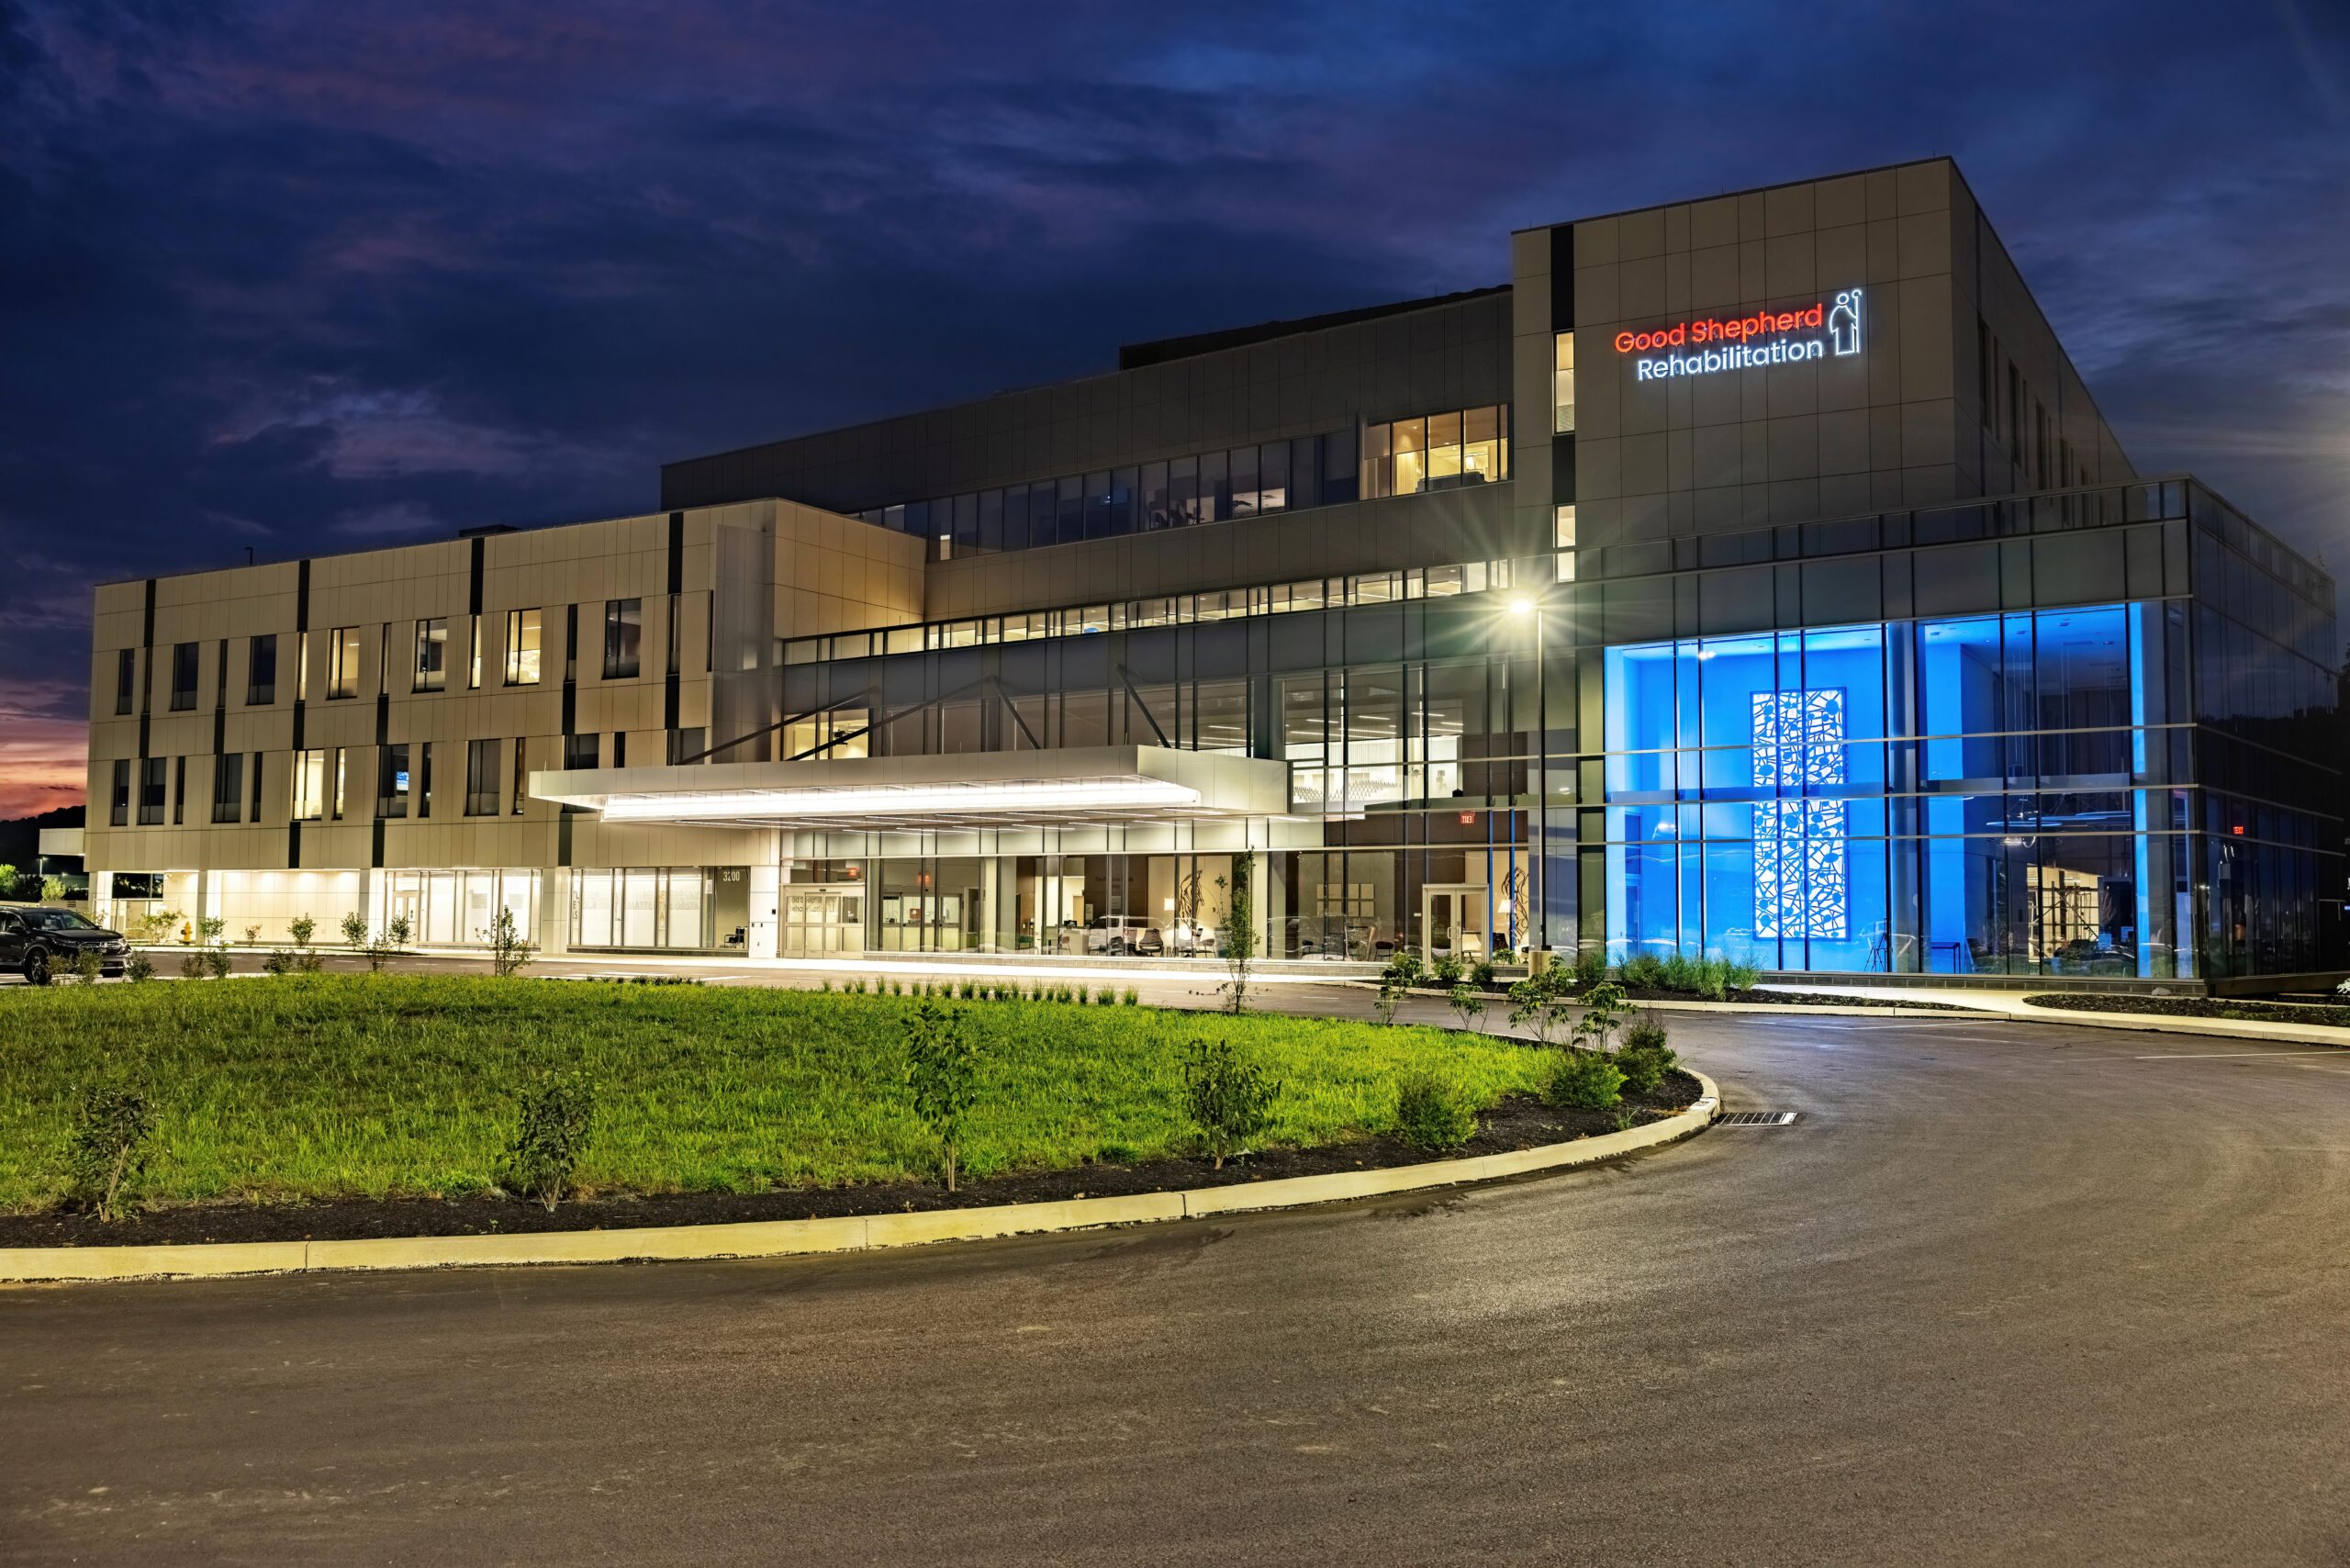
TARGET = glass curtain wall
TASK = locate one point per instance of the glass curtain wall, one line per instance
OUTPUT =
(1992, 794)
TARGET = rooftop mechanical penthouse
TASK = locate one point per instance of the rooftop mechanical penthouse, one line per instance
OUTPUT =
(1753, 575)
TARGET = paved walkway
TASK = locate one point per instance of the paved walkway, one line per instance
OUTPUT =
(2012, 1005)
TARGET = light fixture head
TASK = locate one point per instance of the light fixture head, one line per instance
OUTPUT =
(1521, 607)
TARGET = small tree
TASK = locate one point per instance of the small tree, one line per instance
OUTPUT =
(7, 879)
(354, 929)
(1604, 1011)
(1539, 1002)
(157, 925)
(556, 1113)
(1230, 1101)
(107, 1149)
(943, 1071)
(1240, 934)
(379, 948)
(252, 936)
(508, 951)
(52, 889)
(1467, 1005)
(87, 965)
(400, 931)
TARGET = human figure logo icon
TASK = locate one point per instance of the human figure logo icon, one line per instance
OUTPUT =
(1844, 322)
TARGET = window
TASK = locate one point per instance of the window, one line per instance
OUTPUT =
(184, 676)
(623, 630)
(620, 748)
(570, 643)
(228, 787)
(1439, 452)
(472, 660)
(220, 690)
(1562, 383)
(126, 679)
(522, 791)
(392, 783)
(481, 779)
(432, 656)
(582, 751)
(342, 663)
(521, 647)
(1562, 540)
(120, 815)
(336, 780)
(179, 790)
(310, 785)
(687, 745)
(674, 633)
(151, 790)
(424, 779)
(261, 672)
(302, 667)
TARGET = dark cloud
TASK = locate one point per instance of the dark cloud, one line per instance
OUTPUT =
(320, 274)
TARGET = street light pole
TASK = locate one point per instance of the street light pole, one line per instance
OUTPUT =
(1539, 881)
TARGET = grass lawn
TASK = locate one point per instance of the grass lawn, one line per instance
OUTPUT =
(380, 1086)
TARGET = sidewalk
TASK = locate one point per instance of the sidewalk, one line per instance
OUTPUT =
(2011, 1005)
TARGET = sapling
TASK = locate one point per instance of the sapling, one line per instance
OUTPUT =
(114, 1122)
(943, 1073)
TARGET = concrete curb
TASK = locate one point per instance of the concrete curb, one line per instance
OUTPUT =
(781, 1239)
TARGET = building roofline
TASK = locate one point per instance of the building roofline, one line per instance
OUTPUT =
(1750, 190)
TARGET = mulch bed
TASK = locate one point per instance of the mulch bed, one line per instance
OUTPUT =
(1519, 1122)
(2323, 1014)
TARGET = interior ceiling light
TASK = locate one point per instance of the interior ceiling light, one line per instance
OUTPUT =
(1067, 795)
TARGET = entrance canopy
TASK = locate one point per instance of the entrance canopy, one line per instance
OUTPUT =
(990, 790)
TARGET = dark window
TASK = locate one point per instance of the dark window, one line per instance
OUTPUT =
(183, 675)
(686, 744)
(620, 748)
(126, 679)
(151, 782)
(342, 663)
(521, 793)
(677, 633)
(1071, 525)
(393, 783)
(582, 751)
(623, 631)
(261, 674)
(424, 779)
(571, 642)
(481, 779)
(120, 815)
(256, 786)
(220, 691)
(1215, 489)
(228, 787)
(179, 790)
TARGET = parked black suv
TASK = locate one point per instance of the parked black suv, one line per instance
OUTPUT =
(39, 939)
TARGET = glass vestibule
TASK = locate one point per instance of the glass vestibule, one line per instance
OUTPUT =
(1989, 794)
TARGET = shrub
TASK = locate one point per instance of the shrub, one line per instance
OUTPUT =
(1680, 973)
(277, 961)
(301, 928)
(1644, 1058)
(1590, 967)
(379, 949)
(138, 967)
(556, 1112)
(1467, 1005)
(215, 960)
(1133, 997)
(209, 928)
(1481, 974)
(193, 965)
(400, 931)
(1432, 1113)
(1742, 977)
(507, 949)
(354, 929)
(1644, 971)
(88, 966)
(252, 936)
(1447, 971)
(1583, 1081)
(1229, 1101)
(114, 1124)
(943, 1071)
(1403, 969)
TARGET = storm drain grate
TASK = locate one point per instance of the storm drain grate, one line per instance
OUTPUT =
(1755, 1119)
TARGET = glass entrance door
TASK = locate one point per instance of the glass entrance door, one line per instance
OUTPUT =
(1452, 922)
(823, 921)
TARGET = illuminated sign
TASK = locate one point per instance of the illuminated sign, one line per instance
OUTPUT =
(1830, 328)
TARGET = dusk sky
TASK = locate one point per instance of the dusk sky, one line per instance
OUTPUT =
(310, 277)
